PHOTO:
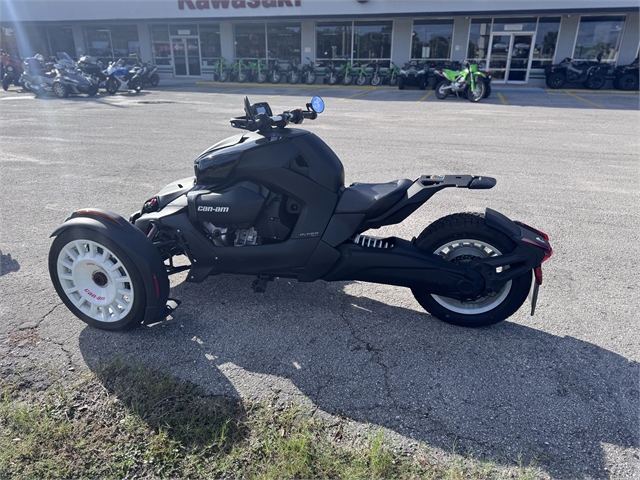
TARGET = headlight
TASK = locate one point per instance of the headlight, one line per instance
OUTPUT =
(9, 68)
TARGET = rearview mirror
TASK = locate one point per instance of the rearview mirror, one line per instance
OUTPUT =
(317, 104)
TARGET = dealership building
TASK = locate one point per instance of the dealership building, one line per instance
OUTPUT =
(512, 39)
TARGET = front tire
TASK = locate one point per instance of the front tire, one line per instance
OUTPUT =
(361, 80)
(60, 89)
(555, 80)
(595, 82)
(375, 80)
(111, 86)
(135, 84)
(97, 280)
(276, 77)
(477, 93)
(460, 238)
(6, 81)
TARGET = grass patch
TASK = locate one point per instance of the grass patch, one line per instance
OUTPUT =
(127, 421)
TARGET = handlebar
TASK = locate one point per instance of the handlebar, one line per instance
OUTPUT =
(263, 122)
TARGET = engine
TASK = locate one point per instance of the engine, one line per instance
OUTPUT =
(243, 215)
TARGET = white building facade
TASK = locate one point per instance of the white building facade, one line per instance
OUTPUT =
(513, 39)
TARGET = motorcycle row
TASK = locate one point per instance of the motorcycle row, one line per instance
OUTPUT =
(63, 76)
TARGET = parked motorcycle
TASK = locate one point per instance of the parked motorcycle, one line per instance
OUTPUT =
(221, 71)
(376, 77)
(331, 74)
(271, 202)
(37, 75)
(148, 75)
(361, 74)
(308, 74)
(292, 71)
(275, 72)
(392, 75)
(119, 75)
(10, 70)
(93, 67)
(626, 76)
(71, 79)
(469, 82)
(592, 74)
(258, 71)
(239, 71)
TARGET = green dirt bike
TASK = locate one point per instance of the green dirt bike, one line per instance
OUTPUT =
(469, 82)
(221, 71)
(361, 74)
(258, 71)
(239, 71)
(392, 75)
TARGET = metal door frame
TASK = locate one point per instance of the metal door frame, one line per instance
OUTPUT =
(509, 52)
(183, 39)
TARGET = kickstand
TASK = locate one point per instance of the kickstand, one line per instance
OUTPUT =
(170, 307)
(259, 285)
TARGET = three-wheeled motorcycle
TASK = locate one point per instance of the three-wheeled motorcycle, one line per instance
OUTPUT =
(271, 202)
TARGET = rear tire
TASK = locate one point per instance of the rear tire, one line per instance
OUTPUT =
(82, 266)
(595, 82)
(487, 90)
(460, 238)
(135, 85)
(154, 80)
(393, 81)
(441, 91)
(375, 80)
(310, 78)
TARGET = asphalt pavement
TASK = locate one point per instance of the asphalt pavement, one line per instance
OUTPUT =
(559, 390)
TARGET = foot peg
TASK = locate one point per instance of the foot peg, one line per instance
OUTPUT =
(259, 285)
(171, 306)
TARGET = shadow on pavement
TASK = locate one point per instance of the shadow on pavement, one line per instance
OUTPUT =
(8, 264)
(495, 393)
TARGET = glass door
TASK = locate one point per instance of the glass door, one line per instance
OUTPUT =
(186, 56)
(510, 57)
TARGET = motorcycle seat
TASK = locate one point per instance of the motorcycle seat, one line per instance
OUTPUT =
(372, 199)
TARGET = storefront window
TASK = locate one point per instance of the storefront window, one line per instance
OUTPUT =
(333, 40)
(160, 45)
(371, 40)
(479, 39)
(111, 43)
(599, 35)
(99, 43)
(34, 40)
(544, 48)
(432, 39)
(209, 44)
(250, 41)
(125, 41)
(284, 42)
(61, 40)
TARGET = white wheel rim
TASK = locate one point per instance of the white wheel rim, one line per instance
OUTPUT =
(478, 249)
(95, 280)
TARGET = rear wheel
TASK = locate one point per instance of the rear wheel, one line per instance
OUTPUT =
(135, 84)
(96, 279)
(628, 81)
(262, 77)
(375, 80)
(487, 90)
(93, 90)
(461, 238)
(422, 84)
(154, 79)
(595, 82)
(310, 78)
(347, 79)
(442, 91)
(393, 81)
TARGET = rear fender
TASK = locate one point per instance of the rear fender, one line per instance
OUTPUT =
(136, 245)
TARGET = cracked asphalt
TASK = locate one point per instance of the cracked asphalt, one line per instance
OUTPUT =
(559, 390)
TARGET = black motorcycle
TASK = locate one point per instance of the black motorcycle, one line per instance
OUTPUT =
(37, 75)
(626, 76)
(308, 73)
(92, 67)
(592, 74)
(148, 75)
(271, 202)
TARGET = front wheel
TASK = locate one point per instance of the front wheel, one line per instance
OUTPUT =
(393, 81)
(442, 91)
(476, 94)
(275, 77)
(628, 81)
(135, 84)
(112, 85)
(310, 78)
(96, 279)
(6, 81)
(261, 77)
(347, 79)
(333, 79)
(555, 80)
(375, 80)
(460, 238)
(93, 90)
(595, 82)
(60, 89)
(361, 80)
(294, 77)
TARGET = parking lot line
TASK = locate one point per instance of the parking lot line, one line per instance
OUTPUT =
(584, 99)
(359, 93)
(504, 102)
(426, 96)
